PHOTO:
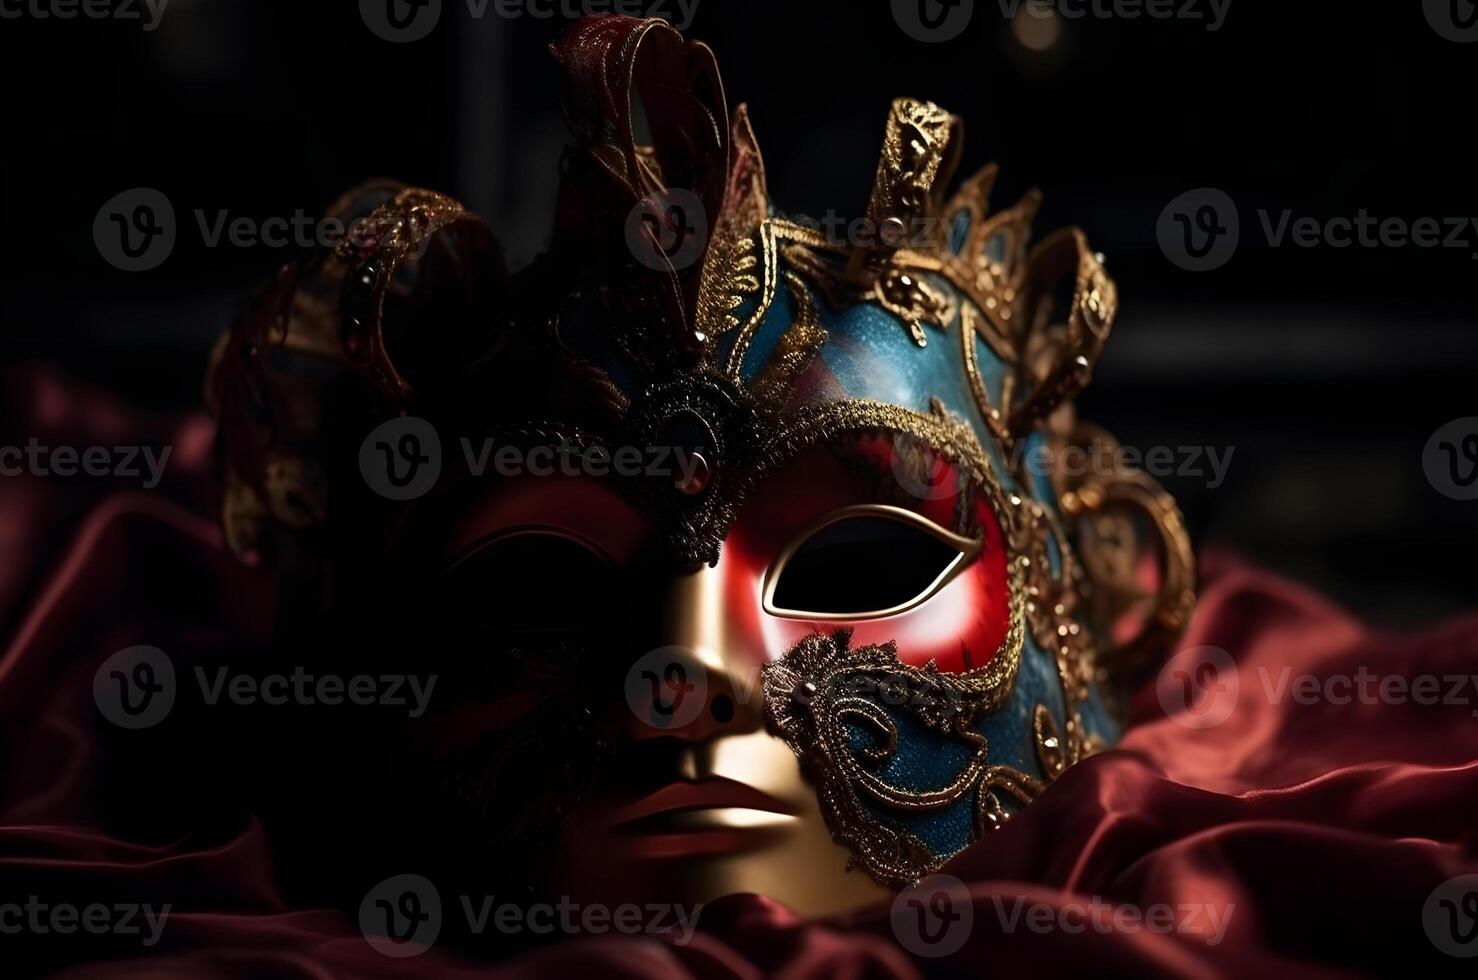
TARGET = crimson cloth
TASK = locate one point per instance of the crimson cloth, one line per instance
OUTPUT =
(1317, 830)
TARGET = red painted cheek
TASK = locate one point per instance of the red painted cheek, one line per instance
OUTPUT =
(744, 574)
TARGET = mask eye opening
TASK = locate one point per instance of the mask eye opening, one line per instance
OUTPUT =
(525, 531)
(967, 550)
(518, 580)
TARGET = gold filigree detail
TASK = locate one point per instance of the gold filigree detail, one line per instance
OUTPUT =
(973, 327)
(1009, 283)
(729, 276)
(921, 148)
(1069, 351)
(732, 264)
(821, 687)
(920, 151)
(910, 297)
(768, 282)
(899, 283)
(991, 266)
(1102, 498)
(795, 349)
(1052, 607)
(990, 814)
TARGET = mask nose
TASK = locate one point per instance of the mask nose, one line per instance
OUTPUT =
(699, 685)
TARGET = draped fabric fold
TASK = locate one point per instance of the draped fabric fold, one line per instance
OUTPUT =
(1302, 836)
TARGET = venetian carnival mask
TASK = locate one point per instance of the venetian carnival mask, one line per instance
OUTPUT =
(840, 613)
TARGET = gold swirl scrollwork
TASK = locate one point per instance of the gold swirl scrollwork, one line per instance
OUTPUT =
(822, 689)
(1104, 502)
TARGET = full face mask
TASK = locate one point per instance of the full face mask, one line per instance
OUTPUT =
(761, 557)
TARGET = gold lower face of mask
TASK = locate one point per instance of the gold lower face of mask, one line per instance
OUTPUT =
(737, 816)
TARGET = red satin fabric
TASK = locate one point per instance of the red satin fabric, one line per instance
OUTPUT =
(1323, 828)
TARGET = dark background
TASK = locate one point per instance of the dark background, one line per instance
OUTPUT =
(1327, 369)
